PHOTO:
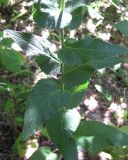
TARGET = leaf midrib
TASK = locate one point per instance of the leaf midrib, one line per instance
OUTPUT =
(14, 34)
(42, 104)
(87, 49)
(83, 64)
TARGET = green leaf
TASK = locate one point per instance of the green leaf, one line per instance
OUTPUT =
(49, 15)
(4, 2)
(72, 119)
(98, 136)
(77, 75)
(6, 42)
(9, 106)
(71, 5)
(33, 45)
(77, 16)
(48, 66)
(11, 60)
(117, 1)
(73, 56)
(61, 137)
(46, 99)
(96, 49)
(122, 27)
(19, 146)
(44, 153)
(82, 58)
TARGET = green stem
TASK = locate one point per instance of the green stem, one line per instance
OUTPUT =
(62, 38)
(62, 67)
(62, 5)
(62, 46)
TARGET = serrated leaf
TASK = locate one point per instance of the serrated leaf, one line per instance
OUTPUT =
(96, 49)
(44, 153)
(11, 60)
(82, 58)
(100, 136)
(46, 99)
(61, 137)
(77, 75)
(122, 27)
(33, 45)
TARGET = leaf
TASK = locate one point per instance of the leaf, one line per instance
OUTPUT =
(11, 60)
(96, 49)
(19, 146)
(82, 58)
(77, 16)
(44, 153)
(46, 99)
(48, 14)
(100, 136)
(72, 119)
(33, 45)
(6, 42)
(51, 18)
(48, 3)
(108, 62)
(80, 74)
(61, 137)
(122, 27)
(77, 75)
(71, 5)
(4, 2)
(48, 66)
(116, 1)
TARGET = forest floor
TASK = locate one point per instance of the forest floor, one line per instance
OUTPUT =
(106, 98)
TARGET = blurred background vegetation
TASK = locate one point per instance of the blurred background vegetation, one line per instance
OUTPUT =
(106, 98)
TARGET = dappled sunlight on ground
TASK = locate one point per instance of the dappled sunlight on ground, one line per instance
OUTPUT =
(105, 156)
(112, 113)
(32, 146)
(91, 103)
